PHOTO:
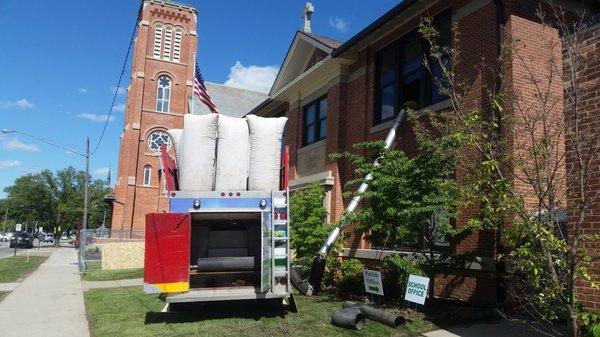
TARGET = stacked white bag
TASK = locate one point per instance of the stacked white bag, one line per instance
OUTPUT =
(232, 154)
(198, 141)
(245, 152)
(266, 135)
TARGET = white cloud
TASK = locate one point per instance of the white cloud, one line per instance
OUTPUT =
(95, 118)
(15, 144)
(82, 90)
(20, 104)
(119, 108)
(252, 77)
(101, 171)
(6, 164)
(339, 24)
(120, 90)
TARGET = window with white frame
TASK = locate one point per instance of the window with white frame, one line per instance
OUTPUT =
(177, 46)
(156, 139)
(147, 175)
(167, 44)
(163, 93)
(158, 32)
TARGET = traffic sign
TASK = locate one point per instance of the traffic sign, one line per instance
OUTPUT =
(18, 227)
(416, 289)
(373, 284)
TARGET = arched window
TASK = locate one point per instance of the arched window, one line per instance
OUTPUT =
(177, 46)
(163, 93)
(147, 175)
(157, 42)
(156, 139)
(167, 47)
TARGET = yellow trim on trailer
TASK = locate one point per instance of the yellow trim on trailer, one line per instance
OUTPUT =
(173, 287)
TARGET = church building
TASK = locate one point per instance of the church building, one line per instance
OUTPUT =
(159, 94)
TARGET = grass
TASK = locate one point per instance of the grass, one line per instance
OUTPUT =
(128, 312)
(3, 294)
(94, 272)
(16, 268)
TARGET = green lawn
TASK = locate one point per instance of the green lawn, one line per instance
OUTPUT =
(16, 268)
(94, 272)
(128, 312)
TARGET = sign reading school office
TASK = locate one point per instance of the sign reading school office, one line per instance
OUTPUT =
(416, 289)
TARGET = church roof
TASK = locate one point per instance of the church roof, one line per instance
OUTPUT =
(230, 101)
(329, 42)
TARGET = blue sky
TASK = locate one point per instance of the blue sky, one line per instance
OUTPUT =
(61, 60)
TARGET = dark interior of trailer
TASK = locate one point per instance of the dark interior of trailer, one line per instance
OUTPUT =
(225, 250)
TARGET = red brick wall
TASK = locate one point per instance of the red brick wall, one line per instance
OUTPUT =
(134, 201)
(590, 110)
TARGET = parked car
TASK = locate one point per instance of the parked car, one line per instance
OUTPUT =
(4, 237)
(21, 239)
(48, 238)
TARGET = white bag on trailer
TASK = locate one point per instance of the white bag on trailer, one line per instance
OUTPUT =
(175, 135)
(265, 152)
(199, 138)
(233, 145)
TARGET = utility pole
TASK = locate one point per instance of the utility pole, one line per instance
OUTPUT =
(82, 234)
(85, 186)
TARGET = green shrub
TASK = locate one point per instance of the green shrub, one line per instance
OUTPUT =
(591, 323)
(307, 221)
(395, 275)
(345, 275)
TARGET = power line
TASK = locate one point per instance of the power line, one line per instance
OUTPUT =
(123, 71)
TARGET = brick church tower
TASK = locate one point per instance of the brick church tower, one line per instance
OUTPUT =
(161, 81)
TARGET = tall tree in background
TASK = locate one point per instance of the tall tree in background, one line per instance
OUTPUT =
(54, 199)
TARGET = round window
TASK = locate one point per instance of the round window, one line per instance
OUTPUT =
(156, 139)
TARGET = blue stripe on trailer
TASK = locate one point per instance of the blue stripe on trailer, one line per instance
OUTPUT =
(178, 205)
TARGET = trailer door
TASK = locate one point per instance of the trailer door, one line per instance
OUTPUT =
(167, 253)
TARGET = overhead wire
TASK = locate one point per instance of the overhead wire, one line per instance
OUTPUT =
(118, 87)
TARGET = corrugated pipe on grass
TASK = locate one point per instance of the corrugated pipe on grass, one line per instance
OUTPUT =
(300, 284)
(349, 318)
(375, 314)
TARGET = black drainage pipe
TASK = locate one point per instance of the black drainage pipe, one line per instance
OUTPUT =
(349, 318)
(300, 284)
(375, 314)
(220, 264)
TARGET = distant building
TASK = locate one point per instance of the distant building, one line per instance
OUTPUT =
(158, 96)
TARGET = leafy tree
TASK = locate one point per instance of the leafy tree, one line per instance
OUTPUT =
(307, 221)
(54, 199)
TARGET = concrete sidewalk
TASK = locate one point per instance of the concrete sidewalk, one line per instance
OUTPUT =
(47, 303)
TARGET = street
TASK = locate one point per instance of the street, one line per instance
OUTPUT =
(5, 251)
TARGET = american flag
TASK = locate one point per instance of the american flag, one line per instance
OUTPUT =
(202, 93)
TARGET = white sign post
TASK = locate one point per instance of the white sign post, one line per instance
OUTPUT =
(373, 284)
(416, 289)
(18, 227)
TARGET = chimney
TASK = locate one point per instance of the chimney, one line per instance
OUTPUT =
(308, 10)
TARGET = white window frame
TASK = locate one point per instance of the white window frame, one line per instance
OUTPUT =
(177, 45)
(167, 43)
(157, 48)
(147, 175)
(160, 102)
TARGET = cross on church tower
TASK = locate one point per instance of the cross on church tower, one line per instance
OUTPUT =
(306, 14)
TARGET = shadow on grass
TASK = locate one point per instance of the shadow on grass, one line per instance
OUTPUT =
(195, 312)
